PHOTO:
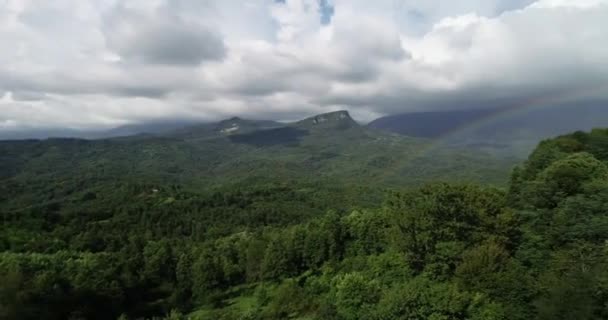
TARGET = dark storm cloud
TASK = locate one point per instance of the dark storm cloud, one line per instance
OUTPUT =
(173, 44)
(161, 39)
(128, 82)
(147, 92)
(28, 96)
(483, 96)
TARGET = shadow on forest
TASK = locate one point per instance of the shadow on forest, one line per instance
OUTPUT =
(271, 137)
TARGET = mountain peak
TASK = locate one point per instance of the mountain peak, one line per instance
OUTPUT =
(231, 125)
(335, 115)
(230, 121)
(336, 120)
(236, 125)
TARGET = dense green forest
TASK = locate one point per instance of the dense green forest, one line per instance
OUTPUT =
(201, 157)
(82, 239)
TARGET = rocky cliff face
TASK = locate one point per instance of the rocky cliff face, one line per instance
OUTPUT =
(336, 120)
(229, 126)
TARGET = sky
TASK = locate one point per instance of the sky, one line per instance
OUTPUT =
(89, 64)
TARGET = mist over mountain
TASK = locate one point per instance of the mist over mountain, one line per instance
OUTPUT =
(433, 124)
(510, 130)
(498, 126)
(187, 128)
(152, 127)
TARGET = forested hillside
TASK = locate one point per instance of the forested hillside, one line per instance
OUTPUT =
(307, 250)
(335, 149)
(99, 243)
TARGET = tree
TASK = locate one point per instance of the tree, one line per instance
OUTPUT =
(254, 259)
(481, 264)
(356, 295)
(11, 286)
(570, 286)
(564, 178)
(183, 277)
(158, 261)
(288, 300)
(437, 223)
(366, 232)
(276, 263)
(207, 274)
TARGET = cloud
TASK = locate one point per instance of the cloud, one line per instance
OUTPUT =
(160, 38)
(107, 62)
(475, 61)
(27, 96)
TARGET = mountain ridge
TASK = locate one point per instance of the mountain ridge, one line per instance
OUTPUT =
(184, 128)
(332, 146)
(505, 131)
(429, 124)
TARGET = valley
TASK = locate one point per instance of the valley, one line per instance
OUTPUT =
(321, 218)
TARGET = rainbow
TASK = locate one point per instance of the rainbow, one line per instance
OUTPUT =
(511, 111)
(538, 102)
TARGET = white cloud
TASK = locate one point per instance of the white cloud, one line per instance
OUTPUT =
(581, 4)
(99, 63)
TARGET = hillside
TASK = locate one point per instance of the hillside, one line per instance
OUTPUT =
(106, 245)
(334, 149)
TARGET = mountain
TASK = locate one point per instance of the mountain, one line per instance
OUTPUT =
(40, 133)
(340, 120)
(225, 127)
(118, 228)
(505, 131)
(160, 128)
(154, 127)
(319, 128)
(265, 132)
(330, 147)
(242, 219)
(185, 129)
(429, 124)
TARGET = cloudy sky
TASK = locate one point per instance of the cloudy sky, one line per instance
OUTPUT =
(103, 63)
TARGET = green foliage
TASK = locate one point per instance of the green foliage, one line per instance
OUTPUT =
(565, 230)
(356, 295)
(425, 299)
(106, 240)
(564, 178)
(55, 172)
(434, 225)
(570, 288)
(288, 301)
(207, 274)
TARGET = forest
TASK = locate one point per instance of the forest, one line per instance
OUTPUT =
(314, 248)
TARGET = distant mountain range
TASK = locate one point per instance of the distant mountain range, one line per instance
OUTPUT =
(153, 127)
(331, 148)
(501, 133)
(456, 126)
(546, 121)
(433, 124)
(182, 129)
(514, 131)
